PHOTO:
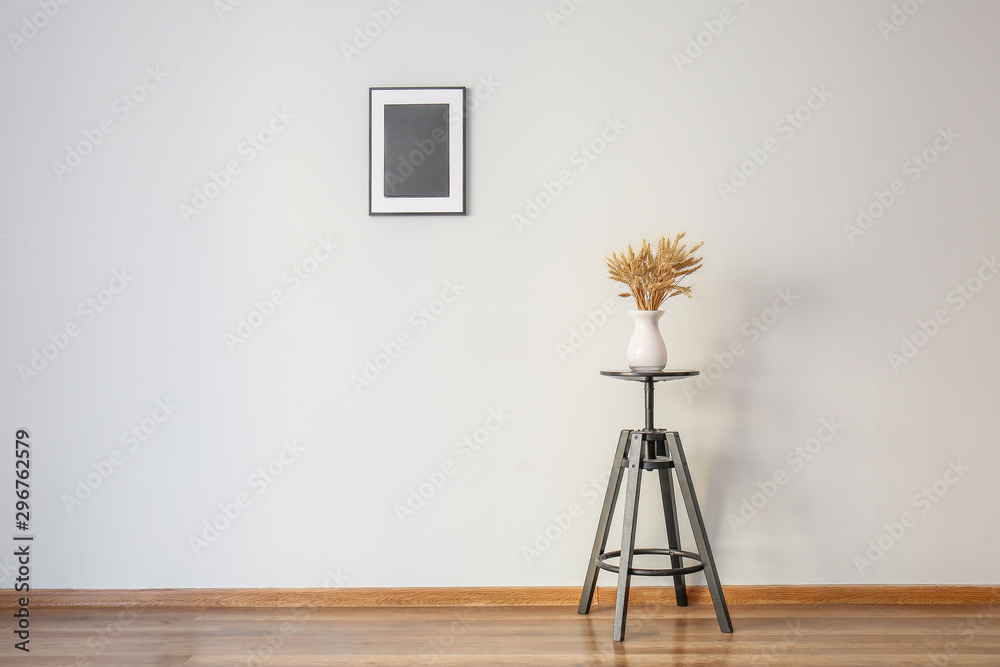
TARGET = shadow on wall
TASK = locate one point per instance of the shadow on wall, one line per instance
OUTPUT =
(757, 431)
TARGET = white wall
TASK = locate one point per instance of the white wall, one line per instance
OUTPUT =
(330, 517)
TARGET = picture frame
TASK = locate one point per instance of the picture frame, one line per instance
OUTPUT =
(417, 150)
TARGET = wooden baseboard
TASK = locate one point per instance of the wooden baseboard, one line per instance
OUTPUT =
(493, 596)
(830, 594)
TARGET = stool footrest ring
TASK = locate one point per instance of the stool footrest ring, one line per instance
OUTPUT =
(652, 572)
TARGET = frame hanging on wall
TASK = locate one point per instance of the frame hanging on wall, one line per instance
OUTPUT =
(416, 151)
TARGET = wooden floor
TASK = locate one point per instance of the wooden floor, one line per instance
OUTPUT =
(788, 634)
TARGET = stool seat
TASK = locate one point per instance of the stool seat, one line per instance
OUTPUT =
(641, 450)
(655, 376)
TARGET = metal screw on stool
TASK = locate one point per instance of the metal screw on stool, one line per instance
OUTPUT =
(660, 450)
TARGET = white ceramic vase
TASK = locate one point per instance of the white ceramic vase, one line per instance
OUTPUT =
(646, 350)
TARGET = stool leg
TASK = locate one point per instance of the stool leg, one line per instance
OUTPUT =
(698, 528)
(604, 525)
(635, 450)
(673, 538)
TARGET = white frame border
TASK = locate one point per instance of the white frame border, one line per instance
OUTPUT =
(454, 204)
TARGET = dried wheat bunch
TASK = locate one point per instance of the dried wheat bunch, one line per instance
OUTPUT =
(651, 279)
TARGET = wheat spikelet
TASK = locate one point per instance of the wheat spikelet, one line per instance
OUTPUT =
(652, 278)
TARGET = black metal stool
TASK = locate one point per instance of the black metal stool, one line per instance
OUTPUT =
(660, 450)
